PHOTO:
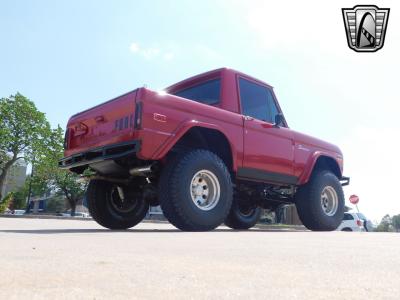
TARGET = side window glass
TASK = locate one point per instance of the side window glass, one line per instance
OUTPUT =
(257, 101)
(207, 92)
(272, 109)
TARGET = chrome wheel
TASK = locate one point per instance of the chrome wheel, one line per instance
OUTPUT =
(205, 190)
(329, 201)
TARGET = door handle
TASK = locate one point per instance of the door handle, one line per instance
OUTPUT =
(248, 118)
(267, 125)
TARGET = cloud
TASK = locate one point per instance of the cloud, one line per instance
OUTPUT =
(168, 56)
(134, 47)
(150, 53)
(171, 50)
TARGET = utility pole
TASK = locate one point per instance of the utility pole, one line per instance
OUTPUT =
(28, 202)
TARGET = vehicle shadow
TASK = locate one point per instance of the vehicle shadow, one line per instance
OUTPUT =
(94, 231)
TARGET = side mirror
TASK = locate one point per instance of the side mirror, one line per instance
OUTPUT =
(278, 120)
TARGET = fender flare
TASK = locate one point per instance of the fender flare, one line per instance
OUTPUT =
(310, 165)
(182, 129)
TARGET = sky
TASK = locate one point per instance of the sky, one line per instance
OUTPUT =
(67, 56)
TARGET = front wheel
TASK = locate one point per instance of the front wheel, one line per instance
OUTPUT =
(115, 207)
(320, 202)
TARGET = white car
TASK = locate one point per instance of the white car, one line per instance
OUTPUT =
(367, 223)
(351, 222)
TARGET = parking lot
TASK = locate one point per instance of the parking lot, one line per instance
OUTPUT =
(69, 259)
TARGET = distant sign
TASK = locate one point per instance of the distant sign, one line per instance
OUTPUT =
(354, 199)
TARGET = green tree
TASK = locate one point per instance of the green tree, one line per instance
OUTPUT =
(48, 175)
(24, 131)
(39, 187)
(385, 224)
(5, 203)
(396, 222)
(55, 204)
(19, 201)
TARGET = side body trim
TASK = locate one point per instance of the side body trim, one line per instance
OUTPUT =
(261, 175)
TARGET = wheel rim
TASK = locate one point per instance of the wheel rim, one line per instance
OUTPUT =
(121, 205)
(329, 201)
(205, 190)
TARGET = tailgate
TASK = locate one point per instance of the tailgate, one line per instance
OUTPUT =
(109, 123)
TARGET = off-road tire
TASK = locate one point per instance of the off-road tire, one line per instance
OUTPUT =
(240, 218)
(175, 194)
(309, 204)
(98, 197)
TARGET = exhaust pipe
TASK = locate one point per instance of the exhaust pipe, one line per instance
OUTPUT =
(141, 171)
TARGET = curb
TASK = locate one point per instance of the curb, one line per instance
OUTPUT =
(51, 217)
(45, 217)
(272, 227)
(281, 227)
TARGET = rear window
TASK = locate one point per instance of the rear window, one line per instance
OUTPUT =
(347, 217)
(207, 92)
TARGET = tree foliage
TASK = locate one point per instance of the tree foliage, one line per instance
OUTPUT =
(55, 204)
(385, 225)
(5, 203)
(47, 174)
(19, 201)
(396, 222)
(24, 132)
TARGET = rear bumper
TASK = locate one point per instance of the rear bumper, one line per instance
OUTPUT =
(99, 154)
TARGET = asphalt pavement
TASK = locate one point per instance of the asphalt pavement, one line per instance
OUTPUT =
(71, 259)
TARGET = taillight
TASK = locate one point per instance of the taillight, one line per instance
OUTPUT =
(138, 115)
(66, 138)
(359, 223)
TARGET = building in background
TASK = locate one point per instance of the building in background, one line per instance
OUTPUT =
(15, 178)
(52, 202)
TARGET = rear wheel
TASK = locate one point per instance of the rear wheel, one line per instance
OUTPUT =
(320, 203)
(195, 191)
(243, 214)
(113, 208)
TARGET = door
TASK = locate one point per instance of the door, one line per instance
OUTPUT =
(268, 149)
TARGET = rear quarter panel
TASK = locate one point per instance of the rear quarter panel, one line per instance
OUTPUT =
(165, 118)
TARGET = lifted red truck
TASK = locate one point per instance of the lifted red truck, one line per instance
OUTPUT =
(210, 149)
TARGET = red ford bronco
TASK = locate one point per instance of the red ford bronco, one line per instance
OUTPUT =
(213, 148)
